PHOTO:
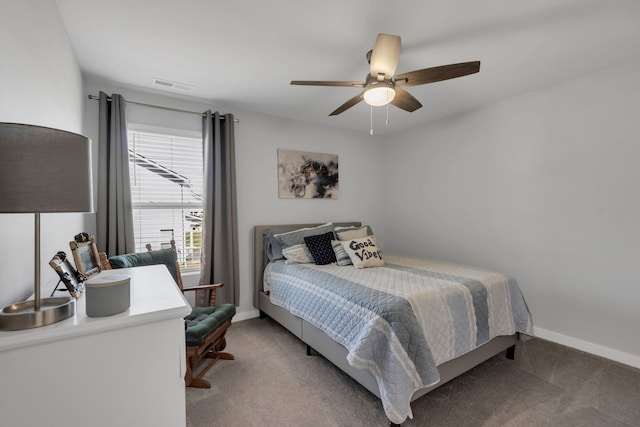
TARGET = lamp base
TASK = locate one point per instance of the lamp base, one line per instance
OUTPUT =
(23, 315)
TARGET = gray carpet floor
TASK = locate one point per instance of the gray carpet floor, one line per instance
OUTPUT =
(273, 382)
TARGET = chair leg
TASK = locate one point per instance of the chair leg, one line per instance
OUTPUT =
(188, 376)
(218, 355)
(214, 353)
(196, 382)
(220, 345)
(199, 383)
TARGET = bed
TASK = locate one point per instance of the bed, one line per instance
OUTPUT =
(396, 329)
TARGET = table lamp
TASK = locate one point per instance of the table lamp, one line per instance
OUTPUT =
(42, 170)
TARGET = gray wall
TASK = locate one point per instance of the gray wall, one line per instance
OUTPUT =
(544, 187)
(258, 137)
(40, 84)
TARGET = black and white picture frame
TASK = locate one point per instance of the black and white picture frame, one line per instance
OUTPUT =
(306, 175)
(72, 278)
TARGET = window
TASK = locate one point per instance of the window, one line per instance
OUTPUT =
(166, 191)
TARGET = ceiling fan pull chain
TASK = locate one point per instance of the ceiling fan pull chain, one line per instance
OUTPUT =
(371, 117)
(387, 123)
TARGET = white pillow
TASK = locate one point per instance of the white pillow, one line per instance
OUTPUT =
(297, 254)
(363, 252)
(348, 233)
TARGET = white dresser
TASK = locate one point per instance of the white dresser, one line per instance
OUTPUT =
(122, 370)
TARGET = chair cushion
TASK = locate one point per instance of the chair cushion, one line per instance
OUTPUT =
(205, 320)
(167, 257)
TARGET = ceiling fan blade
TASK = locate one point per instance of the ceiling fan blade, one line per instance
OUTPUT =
(326, 83)
(384, 56)
(436, 74)
(350, 103)
(405, 100)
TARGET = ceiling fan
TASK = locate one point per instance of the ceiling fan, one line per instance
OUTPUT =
(381, 87)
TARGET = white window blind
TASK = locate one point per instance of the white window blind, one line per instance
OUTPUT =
(166, 191)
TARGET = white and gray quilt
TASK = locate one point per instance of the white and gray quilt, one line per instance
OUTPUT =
(402, 320)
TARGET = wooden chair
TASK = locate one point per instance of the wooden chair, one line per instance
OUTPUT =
(205, 327)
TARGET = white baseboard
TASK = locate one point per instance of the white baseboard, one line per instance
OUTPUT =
(245, 315)
(588, 347)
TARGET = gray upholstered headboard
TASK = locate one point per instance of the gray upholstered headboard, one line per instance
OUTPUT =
(260, 260)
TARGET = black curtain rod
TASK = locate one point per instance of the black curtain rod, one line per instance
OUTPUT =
(161, 107)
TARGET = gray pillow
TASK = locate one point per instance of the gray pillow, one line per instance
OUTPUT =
(296, 237)
(273, 245)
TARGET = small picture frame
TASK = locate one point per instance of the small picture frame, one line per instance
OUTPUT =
(85, 254)
(72, 279)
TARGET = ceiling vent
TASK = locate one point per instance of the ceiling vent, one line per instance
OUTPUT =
(167, 84)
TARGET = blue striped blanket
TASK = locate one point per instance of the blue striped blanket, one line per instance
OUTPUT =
(402, 320)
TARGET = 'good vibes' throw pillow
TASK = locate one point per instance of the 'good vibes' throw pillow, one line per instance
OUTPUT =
(363, 252)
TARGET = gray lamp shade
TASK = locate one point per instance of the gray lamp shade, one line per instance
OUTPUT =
(43, 170)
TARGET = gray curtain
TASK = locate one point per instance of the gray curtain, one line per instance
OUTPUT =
(114, 215)
(220, 229)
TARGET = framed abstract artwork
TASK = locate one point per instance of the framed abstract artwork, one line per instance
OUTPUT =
(306, 175)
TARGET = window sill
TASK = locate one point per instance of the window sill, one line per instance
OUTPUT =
(190, 273)
(190, 278)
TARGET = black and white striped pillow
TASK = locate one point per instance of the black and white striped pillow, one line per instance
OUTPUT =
(342, 257)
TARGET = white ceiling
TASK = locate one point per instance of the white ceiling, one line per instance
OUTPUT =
(243, 53)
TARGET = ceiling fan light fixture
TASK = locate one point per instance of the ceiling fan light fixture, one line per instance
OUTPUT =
(379, 86)
(379, 94)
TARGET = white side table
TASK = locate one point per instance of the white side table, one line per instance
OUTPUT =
(123, 370)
